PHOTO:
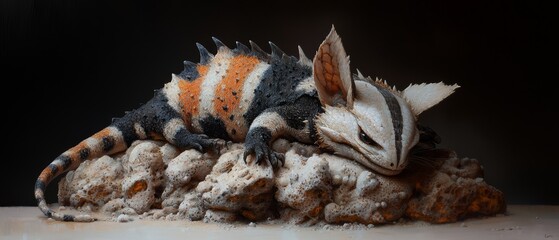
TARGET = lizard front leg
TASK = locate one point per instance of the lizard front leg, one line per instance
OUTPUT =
(294, 121)
(264, 129)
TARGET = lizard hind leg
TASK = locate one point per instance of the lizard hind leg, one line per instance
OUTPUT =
(176, 133)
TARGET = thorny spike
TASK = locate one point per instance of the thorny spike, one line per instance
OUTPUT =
(258, 51)
(366, 79)
(219, 44)
(276, 51)
(286, 58)
(188, 64)
(359, 74)
(205, 56)
(242, 48)
(303, 58)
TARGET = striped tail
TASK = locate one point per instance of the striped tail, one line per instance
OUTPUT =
(108, 141)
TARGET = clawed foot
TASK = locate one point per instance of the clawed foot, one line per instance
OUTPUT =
(202, 143)
(263, 152)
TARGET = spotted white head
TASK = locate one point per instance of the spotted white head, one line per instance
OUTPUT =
(365, 119)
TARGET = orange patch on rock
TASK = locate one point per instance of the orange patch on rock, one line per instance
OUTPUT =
(228, 92)
(136, 187)
(190, 94)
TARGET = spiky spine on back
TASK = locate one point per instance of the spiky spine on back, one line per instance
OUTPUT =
(276, 86)
(379, 83)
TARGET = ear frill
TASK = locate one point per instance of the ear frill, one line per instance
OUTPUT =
(424, 96)
(331, 72)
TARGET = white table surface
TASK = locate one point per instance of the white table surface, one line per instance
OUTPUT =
(521, 222)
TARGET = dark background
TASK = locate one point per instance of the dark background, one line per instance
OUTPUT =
(72, 65)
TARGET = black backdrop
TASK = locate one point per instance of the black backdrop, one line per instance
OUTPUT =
(80, 63)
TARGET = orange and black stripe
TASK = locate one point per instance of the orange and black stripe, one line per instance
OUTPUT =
(148, 120)
(106, 141)
(219, 97)
(229, 92)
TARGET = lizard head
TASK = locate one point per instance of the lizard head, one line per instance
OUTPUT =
(364, 119)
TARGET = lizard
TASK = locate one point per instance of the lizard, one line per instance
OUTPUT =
(247, 95)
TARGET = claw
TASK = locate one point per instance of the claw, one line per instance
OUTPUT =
(263, 153)
(281, 158)
(198, 147)
(272, 160)
(245, 155)
(259, 156)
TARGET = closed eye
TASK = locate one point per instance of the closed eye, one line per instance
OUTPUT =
(368, 140)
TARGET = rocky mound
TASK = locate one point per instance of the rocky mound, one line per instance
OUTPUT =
(156, 180)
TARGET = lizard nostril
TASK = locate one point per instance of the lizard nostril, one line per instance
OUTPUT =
(392, 164)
